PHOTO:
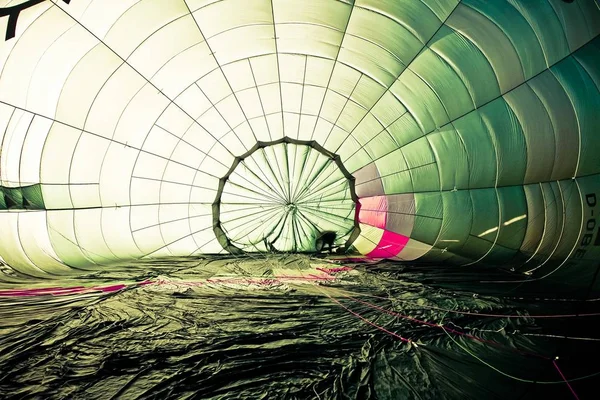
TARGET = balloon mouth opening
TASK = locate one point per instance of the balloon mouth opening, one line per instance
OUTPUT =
(283, 196)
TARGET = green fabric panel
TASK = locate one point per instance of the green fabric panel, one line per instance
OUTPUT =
(451, 158)
(421, 164)
(405, 130)
(457, 220)
(589, 58)
(446, 84)
(535, 219)
(360, 159)
(574, 197)
(508, 140)
(492, 42)
(391, 163)
(394, 172)
(420, 100)
(484, 218)
(549, 32)
(468, 62)
(573, 22)
(428, 219)
(538, 132)
(2, 201)
(389, 35)
(400, 182)
(33, 195)
(425, 178)
(518, 30)
(13, 198)
(441, 8)
(418, 153)
(564, 122)
(410, 13)
(481, 154)
(553, 222)
(500, 256)
(513, 211)
(586, 99)
(366, 129)
(380, 145)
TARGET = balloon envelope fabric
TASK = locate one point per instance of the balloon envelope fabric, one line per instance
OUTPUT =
(449, 131)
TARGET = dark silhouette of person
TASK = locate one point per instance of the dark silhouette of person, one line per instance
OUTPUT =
(325, 239)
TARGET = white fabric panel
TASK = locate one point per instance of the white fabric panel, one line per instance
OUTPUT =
(95, 15)
(308, 39)
(62, 236)
(53, 69)
(275, 122)
(260, 128)
(177, 74)
(175, 172)
(87, 159)
(270, 98)
(160, 142)
(11, 249)
(231, 112)
(139, 22)
(150, 239)
(241, 43)
(215, 86)
(149, 166)
(239, 75)
(57, 197)
(22, 62)
(57, 154)
(329, 13)
(264, 69)
(292, 67)
(164, 44)
(238, 12)
(250, 102)
(139, 116)
(174, 120)
(83, 84)
(117, 233)
(92, 241)
(144, 191)
(290, 124)
(33, 235)
(233, 143)
(214, 123)
(11, 145)
(192, 102)
(84, 196)
(116, 174)
(368, 239)
(291, 96)
(143, 217)
(112, 99)
(31, 157)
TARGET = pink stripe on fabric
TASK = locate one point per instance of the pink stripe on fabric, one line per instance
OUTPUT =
(390, 245)
(373, 211)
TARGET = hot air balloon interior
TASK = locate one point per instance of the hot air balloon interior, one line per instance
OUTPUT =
(294, 199)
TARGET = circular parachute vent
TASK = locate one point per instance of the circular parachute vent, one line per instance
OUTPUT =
(281, 195)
